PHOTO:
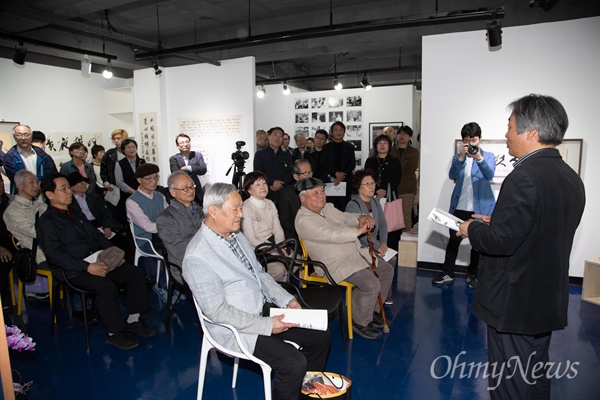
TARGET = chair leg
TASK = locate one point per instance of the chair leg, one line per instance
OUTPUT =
(11, 280)
(206, 346)
(85, 321)
(349, 308)
(53, 308)
(342, 329)
(236, 367)
(169, 305)
(266, 370)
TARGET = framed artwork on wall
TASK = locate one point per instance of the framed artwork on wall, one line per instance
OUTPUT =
(376, 127)
(570, 150)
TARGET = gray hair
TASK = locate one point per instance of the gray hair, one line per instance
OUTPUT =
(20, 176)
(18, 125)
(296, 167)
(216, 195)
(542, 113)
(171, 179)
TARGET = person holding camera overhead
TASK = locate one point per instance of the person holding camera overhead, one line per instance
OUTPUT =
(472, 170)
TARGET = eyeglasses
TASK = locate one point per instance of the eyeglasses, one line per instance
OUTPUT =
(22, 135)
(186, 189)
(369, 184)
(152, 178)
(309, 173)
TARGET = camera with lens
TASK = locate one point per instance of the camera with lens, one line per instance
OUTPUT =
(472, 149)
(239, 157)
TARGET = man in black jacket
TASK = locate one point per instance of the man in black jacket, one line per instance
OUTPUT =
(523, 285)
(290, 201)
(68, 239)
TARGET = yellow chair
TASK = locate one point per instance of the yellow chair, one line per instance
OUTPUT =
(315, 278)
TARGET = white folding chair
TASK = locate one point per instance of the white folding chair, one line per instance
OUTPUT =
(141, 253)
(208, 343)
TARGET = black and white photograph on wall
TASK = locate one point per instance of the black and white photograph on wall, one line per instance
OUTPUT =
(335, 102)
(354, 131)
(302, 118)
(319, 117)
(357, 144)
(317, 102)
(336, 116)
(301, 104)
(354, 116)
(314, 128)
(302, 129)
(376, 129)
(354, 101)
(358, 158)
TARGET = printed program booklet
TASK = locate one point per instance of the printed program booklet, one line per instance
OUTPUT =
(308, 319)
(445, 219)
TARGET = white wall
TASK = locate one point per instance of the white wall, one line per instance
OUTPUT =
(53, 99)
(463, 82)
(381, 104)
(199, 91)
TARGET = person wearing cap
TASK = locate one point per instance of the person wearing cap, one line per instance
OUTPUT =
(145, 204)
(331, 236)
(409, 163)
(92, 205)
(78, 152)
(67, 239)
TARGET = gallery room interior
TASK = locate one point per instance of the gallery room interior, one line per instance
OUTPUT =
(433, 77)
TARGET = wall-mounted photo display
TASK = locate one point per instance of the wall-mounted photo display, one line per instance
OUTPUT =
(354, 101)
(336, 116)
(335, 102)
(354, 116)
(376, 128)
(318, 117)
(301, 104)
(302, 129)
(354, 131)
(317, 102)
(356, 143)
(302, 118)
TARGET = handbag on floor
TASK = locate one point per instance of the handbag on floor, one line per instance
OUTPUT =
(25, 264)
(326, 385)
(394, 216)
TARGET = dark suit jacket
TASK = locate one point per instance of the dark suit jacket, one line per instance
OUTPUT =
(348, 163)
(409, 162)
(289, 204)
(196, 161)
(276, 166)
(97, 206)
(523, 282)
(390, 172)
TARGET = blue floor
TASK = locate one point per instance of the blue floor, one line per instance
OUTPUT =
(429, 326)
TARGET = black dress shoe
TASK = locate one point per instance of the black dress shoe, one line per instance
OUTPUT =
(367, 332)
(377, 320)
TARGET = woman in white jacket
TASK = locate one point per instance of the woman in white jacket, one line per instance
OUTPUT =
(261, 220)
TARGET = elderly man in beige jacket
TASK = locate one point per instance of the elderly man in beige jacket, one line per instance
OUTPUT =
(331, 236)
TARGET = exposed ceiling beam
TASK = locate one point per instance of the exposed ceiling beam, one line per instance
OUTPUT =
(58, 46)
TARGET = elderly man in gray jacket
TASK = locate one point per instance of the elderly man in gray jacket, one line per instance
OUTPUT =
(231, 288)
(331, 236)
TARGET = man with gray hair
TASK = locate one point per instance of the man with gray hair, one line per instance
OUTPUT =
(523, 286)
(179, 222)
(290, 202)
(230, 286)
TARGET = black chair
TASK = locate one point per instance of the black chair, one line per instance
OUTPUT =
(173, 285)
(309, 294)
(61, 278)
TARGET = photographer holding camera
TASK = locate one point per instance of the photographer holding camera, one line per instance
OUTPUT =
(472, 170)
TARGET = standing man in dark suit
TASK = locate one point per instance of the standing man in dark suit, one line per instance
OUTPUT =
(338, 162)
(523, 291)
(275, 163)
(189, 161)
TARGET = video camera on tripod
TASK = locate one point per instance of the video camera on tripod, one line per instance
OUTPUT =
(239, 158)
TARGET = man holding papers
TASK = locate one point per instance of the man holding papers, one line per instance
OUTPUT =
(231, 287)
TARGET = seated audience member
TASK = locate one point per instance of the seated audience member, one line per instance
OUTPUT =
(92, 206)
(125, 175)
(97, 155)
(261, 220)
(365, 202)
(180, 221)
(275, 163)
(78, 153)
(331, 236)
(20, 213)
(189, 161)
(67, 238)
(302, 150)
(24, 156)
(289, 203)
(145, 204)
(6, 250)
(231, 288)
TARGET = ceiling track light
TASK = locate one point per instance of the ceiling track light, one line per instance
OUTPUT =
(20, 54)
(107, 73)
(337, 85)
(86, 65)
(261, 92)
(494, 33)
(157, 70)
(364, 82)
(286, 89)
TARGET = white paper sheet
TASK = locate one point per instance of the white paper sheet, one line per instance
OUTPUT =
(308, 319)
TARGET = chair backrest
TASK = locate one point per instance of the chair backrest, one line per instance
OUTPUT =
(142, 240)
(170, 265)
(245, 354)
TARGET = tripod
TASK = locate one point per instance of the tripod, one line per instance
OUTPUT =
(238, 176)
